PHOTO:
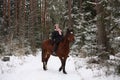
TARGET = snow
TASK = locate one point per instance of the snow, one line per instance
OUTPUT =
(93, 71)
(30, 68)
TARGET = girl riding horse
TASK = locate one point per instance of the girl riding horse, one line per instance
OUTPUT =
(57, 37)
(62, 51)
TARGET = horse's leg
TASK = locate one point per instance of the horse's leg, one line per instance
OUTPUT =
(44, 65)
(45, 58)
(61, 67)
(63, 62)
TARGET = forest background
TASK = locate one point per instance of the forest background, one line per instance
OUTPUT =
(24, 24)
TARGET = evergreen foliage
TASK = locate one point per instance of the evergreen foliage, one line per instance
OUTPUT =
(33, 21)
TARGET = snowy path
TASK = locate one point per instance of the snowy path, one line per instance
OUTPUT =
(30, 68)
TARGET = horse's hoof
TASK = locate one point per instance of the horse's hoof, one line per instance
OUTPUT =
(64, 72)
(60, 69)
(45, 69)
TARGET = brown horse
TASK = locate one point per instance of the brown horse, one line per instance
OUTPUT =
(62, 51)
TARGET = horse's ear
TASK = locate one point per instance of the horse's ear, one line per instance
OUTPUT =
(68, 30)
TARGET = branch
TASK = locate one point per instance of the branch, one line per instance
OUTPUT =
(94, 3)
(112, 28)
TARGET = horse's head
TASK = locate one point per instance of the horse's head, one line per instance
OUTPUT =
(70, 35)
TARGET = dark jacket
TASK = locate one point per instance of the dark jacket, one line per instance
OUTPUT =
(56, 37)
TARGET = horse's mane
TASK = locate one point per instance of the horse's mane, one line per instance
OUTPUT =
(65, 36)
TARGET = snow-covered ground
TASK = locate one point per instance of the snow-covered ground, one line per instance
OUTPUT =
(30, 68)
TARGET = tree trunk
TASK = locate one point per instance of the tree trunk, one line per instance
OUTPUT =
(32, 25)
(16, 17)
(8, 21)
(80, 5)
(9, 13)
(43, 18)
(69, 13)
(102, 36)
(4, 8)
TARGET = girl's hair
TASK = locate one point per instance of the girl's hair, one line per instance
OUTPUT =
(56, 25)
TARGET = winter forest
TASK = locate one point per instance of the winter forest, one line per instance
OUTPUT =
(25, 24)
